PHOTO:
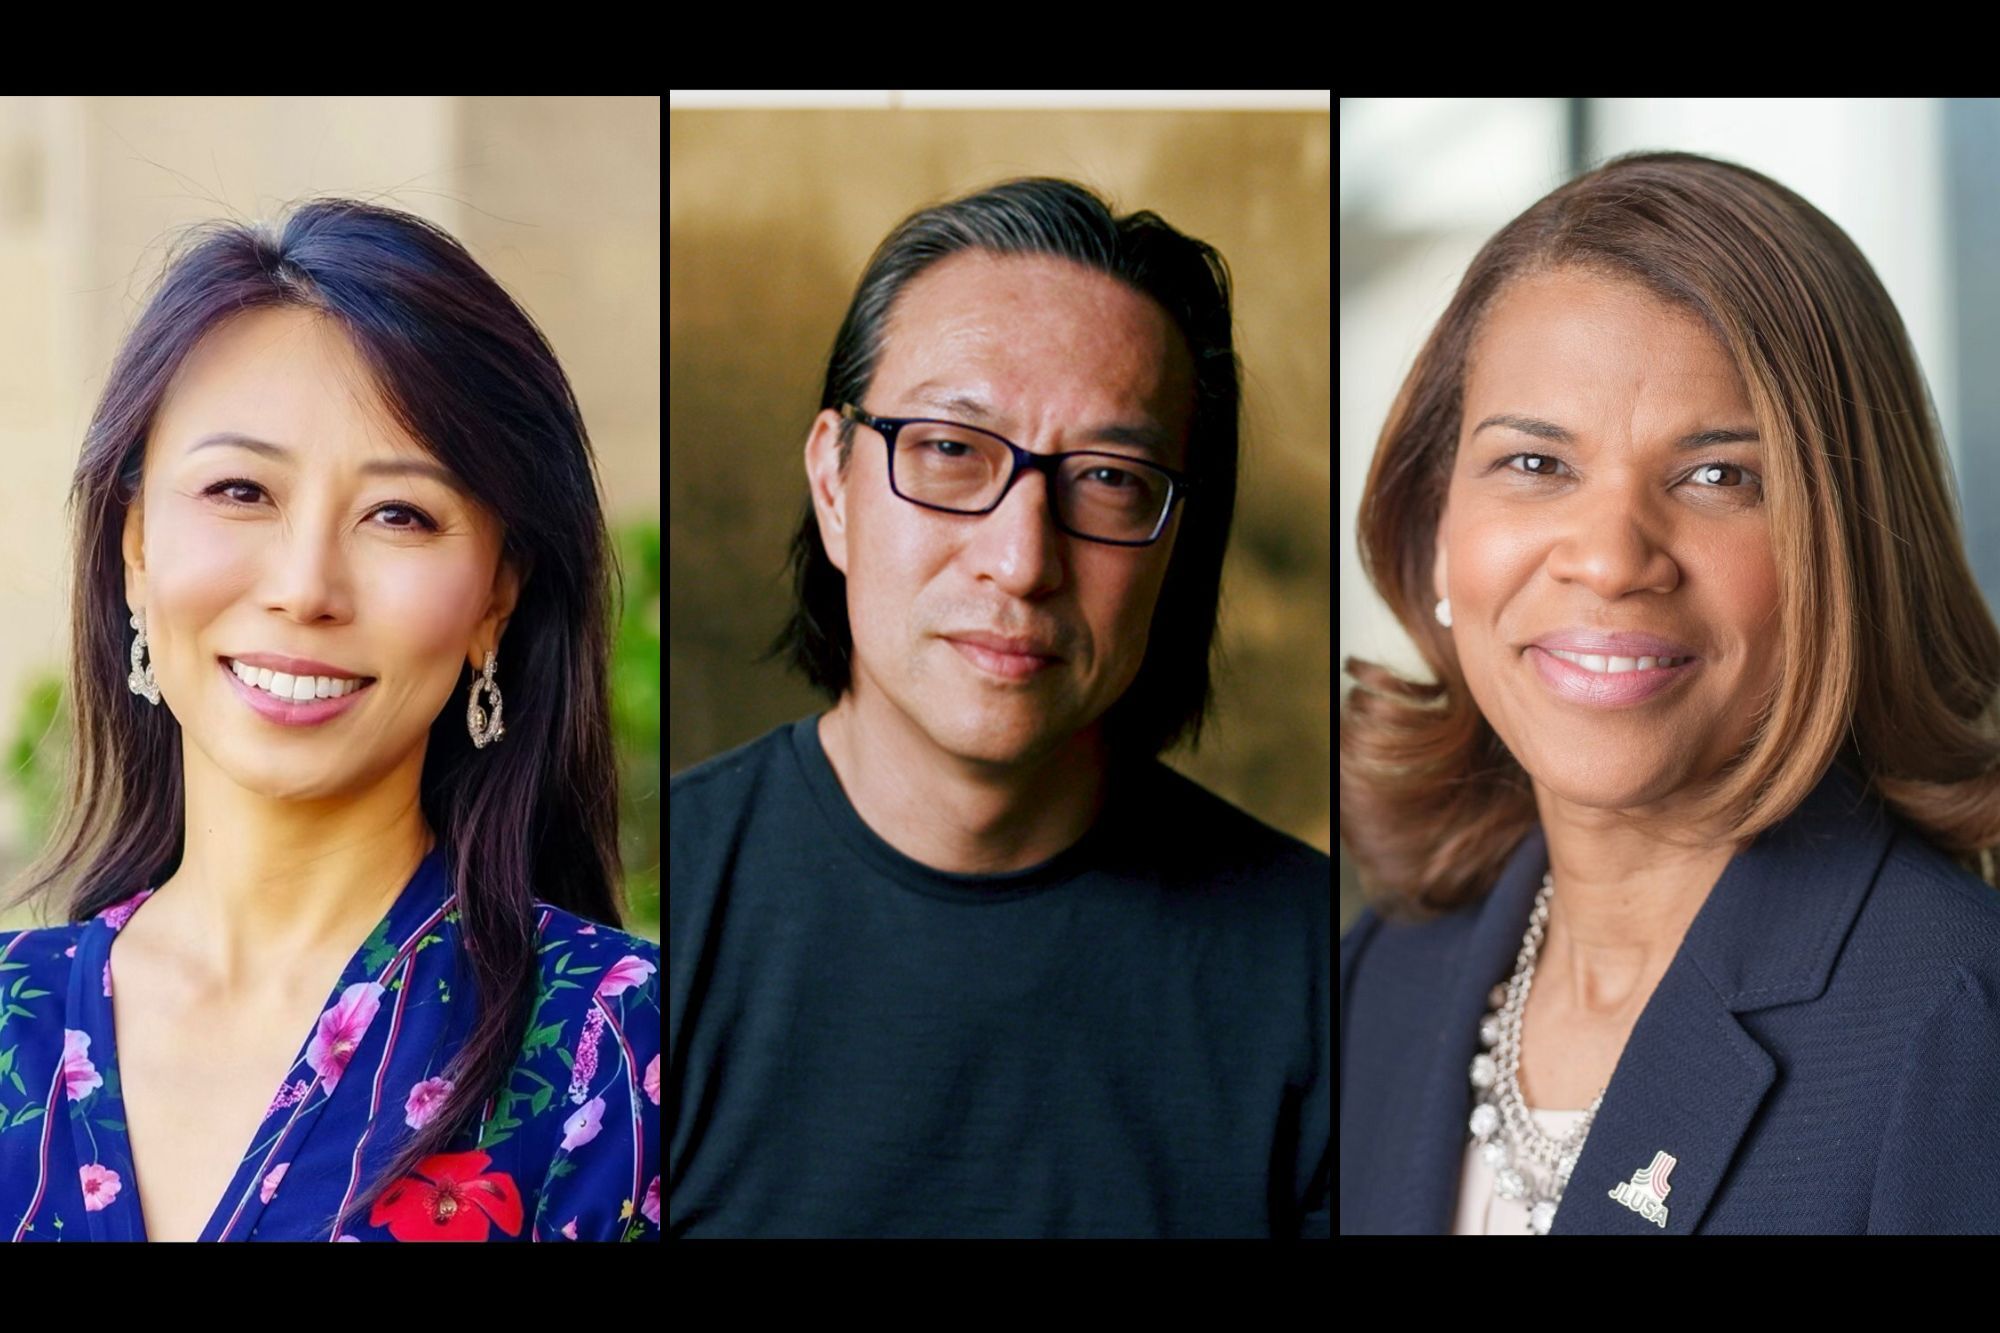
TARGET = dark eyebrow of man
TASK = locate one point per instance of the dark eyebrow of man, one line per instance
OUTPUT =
(376, 468)
(1548, 430)
(1140, 435)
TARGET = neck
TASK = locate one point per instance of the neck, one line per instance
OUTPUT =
(1607, 946)
(960, 814)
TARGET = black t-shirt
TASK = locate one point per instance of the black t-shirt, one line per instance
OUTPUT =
(1131, 1039)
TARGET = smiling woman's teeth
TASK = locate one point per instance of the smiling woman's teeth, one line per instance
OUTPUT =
(1606, 666)
(295, 688)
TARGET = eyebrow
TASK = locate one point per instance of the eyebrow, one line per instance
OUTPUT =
(375, 468)
(1548, 430)
(1139, 435)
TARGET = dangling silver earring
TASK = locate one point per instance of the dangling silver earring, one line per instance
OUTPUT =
(475, 717)
(141, 681)
(1444, 612)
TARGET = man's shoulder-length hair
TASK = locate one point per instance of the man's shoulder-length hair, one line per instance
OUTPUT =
(1890, 659)
(1173, 693)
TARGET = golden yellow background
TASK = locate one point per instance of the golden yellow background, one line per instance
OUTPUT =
(774, 214)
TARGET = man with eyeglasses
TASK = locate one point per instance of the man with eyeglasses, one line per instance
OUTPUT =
(960, 956)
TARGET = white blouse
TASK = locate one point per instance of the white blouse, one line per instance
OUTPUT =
(1482, 1211)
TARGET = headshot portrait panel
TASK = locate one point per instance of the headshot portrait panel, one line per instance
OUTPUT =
(1674, 804)
(1000, 567)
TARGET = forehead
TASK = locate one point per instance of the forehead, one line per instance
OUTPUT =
(287, 372)
(282, 375)
(1048, 336)
(1576, 342)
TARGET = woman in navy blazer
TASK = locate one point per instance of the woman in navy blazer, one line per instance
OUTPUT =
(1701, 810)
(1823, 1055)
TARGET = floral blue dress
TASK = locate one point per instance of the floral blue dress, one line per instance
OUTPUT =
(568, 1148)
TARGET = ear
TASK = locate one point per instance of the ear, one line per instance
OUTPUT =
(829, 487)
(508, 580)
(1440, 588)
(132, 543)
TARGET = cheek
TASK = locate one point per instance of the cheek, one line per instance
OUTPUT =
(1118, 607)
(433, 608)
(889, 564)
(1489, 554)
(1746, 602)
(197, 560)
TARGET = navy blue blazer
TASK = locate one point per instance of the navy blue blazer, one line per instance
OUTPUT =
(1822, 1056)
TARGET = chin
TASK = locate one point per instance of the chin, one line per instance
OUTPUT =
(994, 740)
(1612, 783)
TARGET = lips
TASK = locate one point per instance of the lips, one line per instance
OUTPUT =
(1613, 643)
(292, 712)
(1004, 666)
(999, 643)
(295, 666)
(1570, 682)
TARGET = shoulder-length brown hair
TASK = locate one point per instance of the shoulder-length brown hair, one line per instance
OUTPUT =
(1890, 657)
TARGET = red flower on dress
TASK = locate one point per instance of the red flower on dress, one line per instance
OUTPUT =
(451, 1196)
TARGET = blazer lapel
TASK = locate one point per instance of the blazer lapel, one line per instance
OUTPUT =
(1691, 1078)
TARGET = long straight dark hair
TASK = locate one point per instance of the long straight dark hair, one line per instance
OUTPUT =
(1173, 693)
(468, 374)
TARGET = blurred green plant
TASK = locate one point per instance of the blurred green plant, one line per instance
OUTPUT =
(40, 748)
(635, 718)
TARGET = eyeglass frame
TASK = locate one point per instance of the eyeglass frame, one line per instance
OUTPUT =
(1179, 486)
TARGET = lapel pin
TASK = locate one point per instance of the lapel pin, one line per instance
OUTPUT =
(1646, 1193)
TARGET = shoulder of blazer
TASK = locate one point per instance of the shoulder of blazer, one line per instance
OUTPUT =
(1352, 943)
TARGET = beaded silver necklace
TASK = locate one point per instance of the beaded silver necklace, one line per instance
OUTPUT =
(1527, 1164)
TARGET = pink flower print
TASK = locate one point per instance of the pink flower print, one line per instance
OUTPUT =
(80, 1076)
(569, 1229)
(651, 1206)
(107, 976)
(100, 1187)
(288, 1096)
(271, 1179)
(341, 1029)
(585, 1067)
(425, 1101)
(582, 1127)
(631, 970)
(586, 929)
(653, 1079)
(119, 913)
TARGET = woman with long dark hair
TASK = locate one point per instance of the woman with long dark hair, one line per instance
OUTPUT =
(339, 954)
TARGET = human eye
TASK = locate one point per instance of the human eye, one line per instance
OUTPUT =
(1544, 458)
(1113, 478)
(421, 520)
(1750, 478)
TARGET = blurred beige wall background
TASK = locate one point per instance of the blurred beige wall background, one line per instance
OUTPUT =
(773, 216)
(557, 197)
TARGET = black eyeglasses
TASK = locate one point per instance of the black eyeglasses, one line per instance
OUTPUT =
(959, 469)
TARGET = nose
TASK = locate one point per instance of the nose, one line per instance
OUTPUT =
(1614, 549)
(306, 576)
(1018, 546)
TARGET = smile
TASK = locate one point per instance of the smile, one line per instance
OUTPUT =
(1578, 684)
(293, 711)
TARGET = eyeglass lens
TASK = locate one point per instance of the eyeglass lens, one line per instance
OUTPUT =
(959, 468)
